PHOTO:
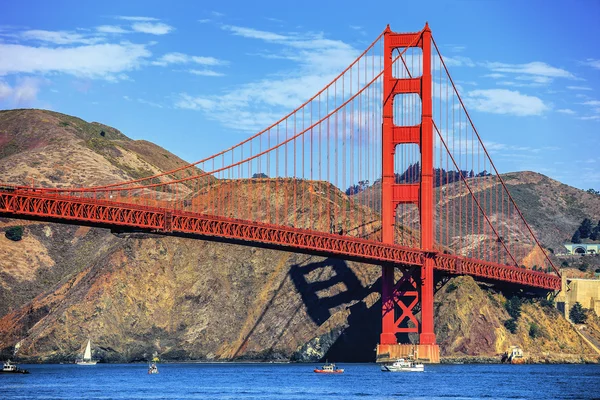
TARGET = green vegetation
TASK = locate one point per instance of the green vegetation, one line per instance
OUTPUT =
(576, 237)
(14, 233)
(511, 325)
(451, 287)
(534, 330)
(586, 231)
(356, 189)
(577, 314)
(548, 303)
(592, 191)
(513, 307)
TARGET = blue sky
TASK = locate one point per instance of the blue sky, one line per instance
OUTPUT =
(196, 77)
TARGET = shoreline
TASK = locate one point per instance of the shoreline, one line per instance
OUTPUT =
(447, 360)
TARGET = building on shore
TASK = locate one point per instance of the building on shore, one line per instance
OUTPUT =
(582, 248)
(584, 291)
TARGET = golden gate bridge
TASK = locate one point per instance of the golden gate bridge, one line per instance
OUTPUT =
(384, 165)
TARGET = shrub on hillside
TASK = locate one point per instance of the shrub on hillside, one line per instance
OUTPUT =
(548, 303)
(14, 233)
(534, 330)
(451, 287)
(511, 325)
(577, 314)
(513, 307)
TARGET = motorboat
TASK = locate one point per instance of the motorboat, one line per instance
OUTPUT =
(152, 368)
(329, 368)
(403, 365)
(10, 368)
(87, 356)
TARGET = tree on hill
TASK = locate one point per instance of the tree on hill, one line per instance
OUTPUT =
(585, 229)
(595, 235)
(577, 314)
(513, 307)
(576, 237)
(592, 191)
(14, 233)
(511, 325)
(355, 189)
(259, 175)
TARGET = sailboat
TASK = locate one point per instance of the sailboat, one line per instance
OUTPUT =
(87, 356)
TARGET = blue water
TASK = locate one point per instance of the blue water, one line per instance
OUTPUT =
(297, 381)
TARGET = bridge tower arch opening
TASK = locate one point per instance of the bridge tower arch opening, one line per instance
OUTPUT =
(401, 298)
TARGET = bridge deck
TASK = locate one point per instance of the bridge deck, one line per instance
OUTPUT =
(32, 204)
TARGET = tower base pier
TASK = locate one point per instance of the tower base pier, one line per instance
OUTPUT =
(426, 353)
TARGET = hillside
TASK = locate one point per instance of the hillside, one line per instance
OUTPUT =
(189, 299)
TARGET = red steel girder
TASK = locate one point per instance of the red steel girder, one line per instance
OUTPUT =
(31, 204)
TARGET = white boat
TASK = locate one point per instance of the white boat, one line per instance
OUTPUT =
(152, 369)
(10, 368)
(403, 365)
(87, 356)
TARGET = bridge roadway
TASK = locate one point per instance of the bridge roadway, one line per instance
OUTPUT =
(36, 204)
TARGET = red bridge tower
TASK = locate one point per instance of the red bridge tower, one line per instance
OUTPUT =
(417, 284)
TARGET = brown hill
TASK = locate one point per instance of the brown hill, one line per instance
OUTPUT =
(190, 299)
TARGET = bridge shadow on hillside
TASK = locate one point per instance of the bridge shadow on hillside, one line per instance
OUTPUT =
(328, 284)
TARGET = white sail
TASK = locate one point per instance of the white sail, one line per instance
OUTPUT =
(88, 352)
(87, 356)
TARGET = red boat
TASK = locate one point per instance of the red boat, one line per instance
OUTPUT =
(329, 369)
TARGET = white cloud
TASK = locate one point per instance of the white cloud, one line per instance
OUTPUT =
(592, 63)
(358, 29)
(194, 103)
(593, 103)
(24, 93)
(204, 21)
(503, 101)
(532, 68)
(458, 61)
(180, 58)
(58, 37)
(590, 118)
(136, 19)
(518, 84)
(111, 29)
(106, 61)
(566, 111)
(579, 88)
(154, 28)
(217, 14)
(255, 33)
(455, 48)
(149, 103)
(539, 79)
(205, 72)
(494, 76)
(316, 61)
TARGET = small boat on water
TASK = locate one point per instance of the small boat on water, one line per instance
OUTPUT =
(403, 365)
(152, 368)
(10, 368)
(87, 356)
(329, 368)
